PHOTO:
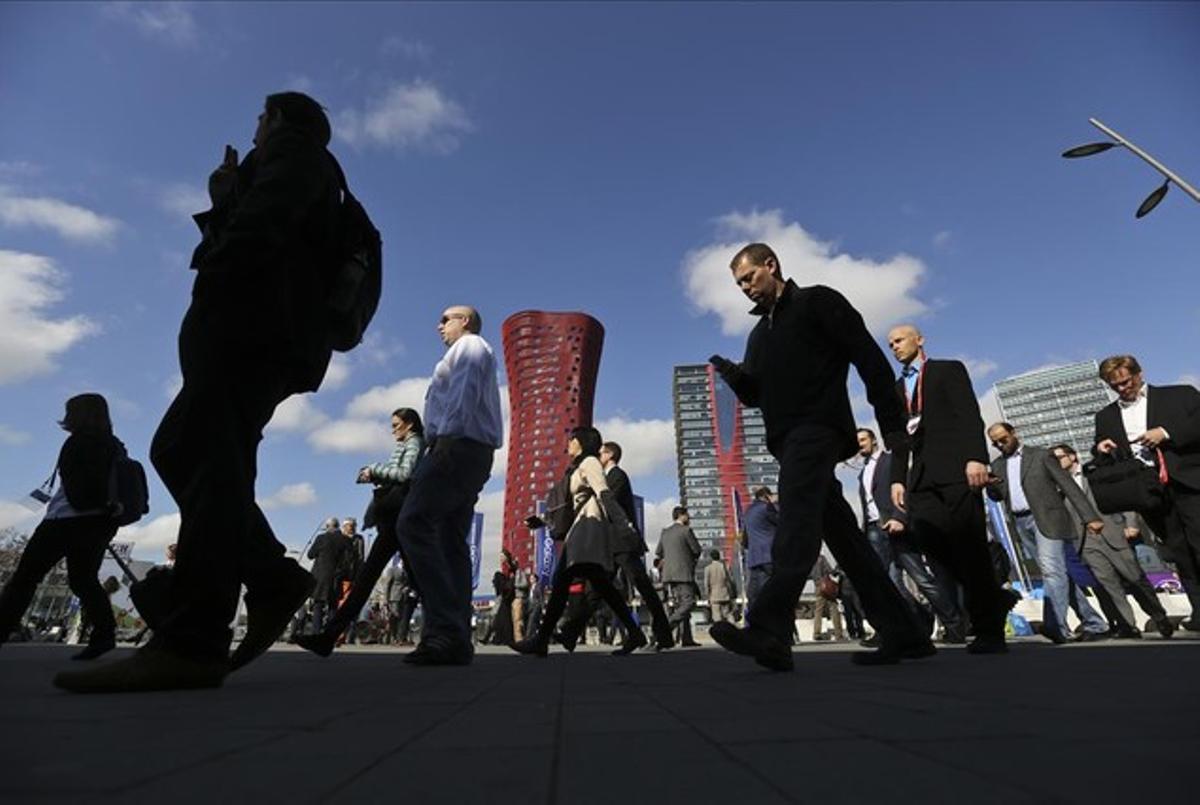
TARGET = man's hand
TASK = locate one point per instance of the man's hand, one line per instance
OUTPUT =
(533, 521)
(1152, 438)
(1095, 526)
(721, 364)
(1106, 446)
(893, 526)
(1132, 533)
(977, 474)
(223, 181)
(898, 497)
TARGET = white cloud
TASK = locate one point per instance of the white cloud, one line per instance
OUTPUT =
(647, 445)
(379, 402)
(184, 200)
(296, 414)
(291, 496)
(29, 342)
(1188, 380)
(414, 115)
(491, 505)
(153, 536)
(369, 436)
(68, 220)
(978, 368)
(882, 291)
(14, 515)
(171, 23)
(10, 436)
(658, 516)
(337, 374)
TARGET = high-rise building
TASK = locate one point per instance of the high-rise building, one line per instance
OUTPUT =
(721, 446)
(552, 360)
(1055, 405)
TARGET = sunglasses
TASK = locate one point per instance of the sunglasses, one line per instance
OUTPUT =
(446, 319)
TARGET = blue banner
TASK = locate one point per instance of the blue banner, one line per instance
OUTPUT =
(545, 554)
(475, 543)
(639, 513)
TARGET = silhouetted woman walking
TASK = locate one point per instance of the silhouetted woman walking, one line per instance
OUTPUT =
(78, 525)
(587, 552)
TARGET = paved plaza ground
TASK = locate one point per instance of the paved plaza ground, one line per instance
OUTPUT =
(1106, 722)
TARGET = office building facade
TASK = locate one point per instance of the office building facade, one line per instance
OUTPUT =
(552, 360)
(1055, 405)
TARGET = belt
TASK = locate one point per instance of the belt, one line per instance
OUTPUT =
(1025, 513)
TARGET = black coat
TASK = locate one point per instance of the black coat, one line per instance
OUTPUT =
(951, 432)
(881, 492)
(264, 263)
(796, 364)
(625, 540)
(1175, 408)
(329, 553)
(84, 465)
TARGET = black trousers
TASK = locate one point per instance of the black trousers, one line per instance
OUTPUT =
(560, 589)
(81, 541)
(1178, 525)
(206, 452)
(811, 506)
(950, 527)
(634, 568)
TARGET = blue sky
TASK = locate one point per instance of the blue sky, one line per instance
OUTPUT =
(598, 157)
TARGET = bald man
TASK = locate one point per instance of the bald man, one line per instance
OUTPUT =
(942, 490)
(463, 430)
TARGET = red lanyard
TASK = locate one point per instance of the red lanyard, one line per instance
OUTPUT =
(919, 397)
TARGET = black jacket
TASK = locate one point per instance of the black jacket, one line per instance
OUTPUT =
(624, 541)
(797, 361)
(881, 491)
(84, 466)
(1175, 408)
(951, 431)
(329, 551)
(264, 263)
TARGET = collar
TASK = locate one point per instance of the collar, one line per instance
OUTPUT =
(1141, 396)
(790, 289)
(912, 368)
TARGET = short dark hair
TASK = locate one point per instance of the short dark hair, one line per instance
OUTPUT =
(714, 554)
(756, 254)
(1007, 427)
(869, 432)
(589, 440)
(677, 511)
(1066, 448)
(411, 418)
(303, 112)
(614, 449)
(87, 413)
(1115, 362)
(474, 321)
(762, 493)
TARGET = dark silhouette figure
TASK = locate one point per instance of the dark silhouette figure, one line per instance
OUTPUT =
(78, 526)
(253, 335)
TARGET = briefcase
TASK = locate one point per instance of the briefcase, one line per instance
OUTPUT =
(1121, 483)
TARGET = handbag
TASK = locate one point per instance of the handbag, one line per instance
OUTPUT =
(1121, 483)
(827, 588)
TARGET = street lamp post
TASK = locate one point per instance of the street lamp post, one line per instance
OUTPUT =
(1160, 192)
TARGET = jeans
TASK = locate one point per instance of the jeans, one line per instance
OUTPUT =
(758, 577)
(899, 556)
(432, 530)
(1056, 583)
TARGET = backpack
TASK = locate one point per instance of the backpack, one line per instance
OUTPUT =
(128, 494)
(356, 281)
(560, 508)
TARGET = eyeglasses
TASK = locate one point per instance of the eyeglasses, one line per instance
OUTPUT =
(446, 319)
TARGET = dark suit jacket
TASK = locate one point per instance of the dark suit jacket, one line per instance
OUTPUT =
(328, 553)
(1175, 408)
(1047, 486)
(679, 549)
(625, 541)
(881, 491)
(951, 432)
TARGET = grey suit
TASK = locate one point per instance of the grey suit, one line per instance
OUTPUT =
(678, 548)
(1045, 528)
(1112, 561)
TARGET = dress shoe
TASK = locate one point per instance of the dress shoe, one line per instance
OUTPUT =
(954, 637)
(689, 644)
(1127, 633)
(1190, 625)
(567, 641)
(1094, 637)
(766, 650)
(268, 614)
(985, 644)
(320, 644)
(148, 669)
(634, 641)
(890, 655)
(1165, 627)
(871, 642)
(822, 636)
(95, 650)
(663, 640)
(439, 650)
(532, 646)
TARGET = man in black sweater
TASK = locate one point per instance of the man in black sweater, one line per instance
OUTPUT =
(795, 367)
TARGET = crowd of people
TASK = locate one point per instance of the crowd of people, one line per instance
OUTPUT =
(252, 337)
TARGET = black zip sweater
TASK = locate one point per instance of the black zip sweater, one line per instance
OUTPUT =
(797, 362)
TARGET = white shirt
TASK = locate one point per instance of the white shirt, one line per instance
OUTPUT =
(463, 399)
(1016, 492)
(1133, 417)
(868, 481)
